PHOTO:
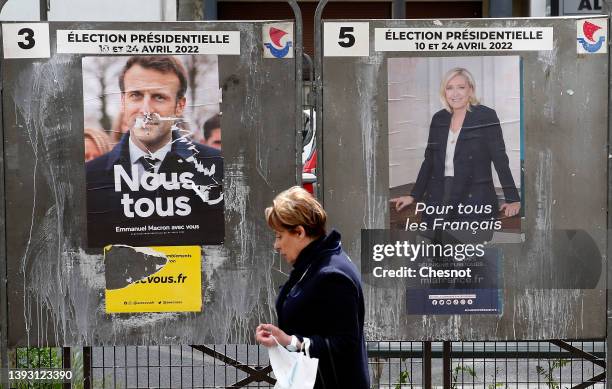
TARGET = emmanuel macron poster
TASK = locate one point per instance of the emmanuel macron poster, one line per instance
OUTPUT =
(151, 179)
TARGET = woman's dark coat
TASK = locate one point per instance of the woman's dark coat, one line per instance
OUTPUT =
(480, 142)
(323, 301)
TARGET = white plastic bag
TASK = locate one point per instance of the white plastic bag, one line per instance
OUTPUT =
(292, 370)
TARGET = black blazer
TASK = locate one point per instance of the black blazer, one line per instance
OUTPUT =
(323, 301)
(480, 143)
(105, 211)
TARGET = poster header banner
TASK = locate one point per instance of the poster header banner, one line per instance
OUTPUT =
(464, 39)
(147, 42)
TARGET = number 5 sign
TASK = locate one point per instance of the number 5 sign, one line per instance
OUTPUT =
(26, 40)
(342, 39)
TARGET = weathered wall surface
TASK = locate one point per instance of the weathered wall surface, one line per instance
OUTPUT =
(56, 286)
(565, 185)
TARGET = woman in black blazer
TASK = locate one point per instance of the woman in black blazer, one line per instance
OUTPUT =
(464, 139)
(320, 308)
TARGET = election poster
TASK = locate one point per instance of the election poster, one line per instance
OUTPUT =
(153, 279)
(455, 176)
(153, 161)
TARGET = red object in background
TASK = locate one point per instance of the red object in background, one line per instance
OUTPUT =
(309, 152)
(309, 173)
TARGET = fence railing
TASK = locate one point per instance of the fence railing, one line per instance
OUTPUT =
(396, 364)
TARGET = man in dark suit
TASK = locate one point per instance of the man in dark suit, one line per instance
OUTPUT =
(156, 186)
(212, 132)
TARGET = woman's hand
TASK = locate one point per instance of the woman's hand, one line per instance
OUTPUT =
(511, 209)
(265, 332)
(402, 202)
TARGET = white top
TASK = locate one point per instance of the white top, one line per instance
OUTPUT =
(451, 143)
(136, 153)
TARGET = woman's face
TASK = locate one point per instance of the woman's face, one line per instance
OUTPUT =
(290, 243)
(458, 92)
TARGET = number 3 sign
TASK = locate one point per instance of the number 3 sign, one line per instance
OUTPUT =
(29, 40)
(341, 39)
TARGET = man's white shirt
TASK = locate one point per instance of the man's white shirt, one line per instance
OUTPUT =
(136, 153)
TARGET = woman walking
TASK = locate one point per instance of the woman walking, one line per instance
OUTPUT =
(321, 306)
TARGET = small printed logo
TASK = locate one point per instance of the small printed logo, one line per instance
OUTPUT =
(278, 40)
(592, 36)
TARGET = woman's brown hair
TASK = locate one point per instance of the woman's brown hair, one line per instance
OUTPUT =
(296, 207)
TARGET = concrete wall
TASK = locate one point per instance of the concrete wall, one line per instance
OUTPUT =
(56, 285)
(565, 189)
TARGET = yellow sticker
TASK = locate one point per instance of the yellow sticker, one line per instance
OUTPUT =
(153, 279)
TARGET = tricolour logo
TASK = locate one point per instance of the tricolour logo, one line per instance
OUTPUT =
(278, 40)
(592, 36)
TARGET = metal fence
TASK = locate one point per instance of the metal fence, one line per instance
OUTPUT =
(487, 365)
